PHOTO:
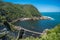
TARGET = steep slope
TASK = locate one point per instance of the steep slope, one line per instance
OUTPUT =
(14, 11)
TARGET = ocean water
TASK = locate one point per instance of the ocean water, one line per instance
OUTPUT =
(40, 25)
(55, 15)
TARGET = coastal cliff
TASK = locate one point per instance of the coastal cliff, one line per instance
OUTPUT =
(14, 11)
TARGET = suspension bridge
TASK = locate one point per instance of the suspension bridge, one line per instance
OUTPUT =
(19, 28)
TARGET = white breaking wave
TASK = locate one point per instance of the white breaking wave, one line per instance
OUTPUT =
(48, 17)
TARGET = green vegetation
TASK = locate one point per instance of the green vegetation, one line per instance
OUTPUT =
(2, 18)
(14, 11)
(52, 34)
(9, 11)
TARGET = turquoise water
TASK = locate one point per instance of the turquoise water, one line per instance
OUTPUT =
(55, 15)
(41, 25)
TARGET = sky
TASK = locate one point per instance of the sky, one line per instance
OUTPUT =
(41, 5)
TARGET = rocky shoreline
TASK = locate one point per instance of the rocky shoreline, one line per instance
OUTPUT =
(33, 18)
(37, 18)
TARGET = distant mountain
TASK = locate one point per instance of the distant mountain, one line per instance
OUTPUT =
(13, 11)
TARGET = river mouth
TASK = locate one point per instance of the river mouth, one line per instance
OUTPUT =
(37, 26)
(40, 25)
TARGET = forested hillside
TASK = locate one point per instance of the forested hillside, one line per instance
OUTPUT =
(10, 11)
(13, 11)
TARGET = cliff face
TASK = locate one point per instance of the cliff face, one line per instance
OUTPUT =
(14, 11)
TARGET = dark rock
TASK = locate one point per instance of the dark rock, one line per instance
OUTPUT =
(7, 26)
(21, 34)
